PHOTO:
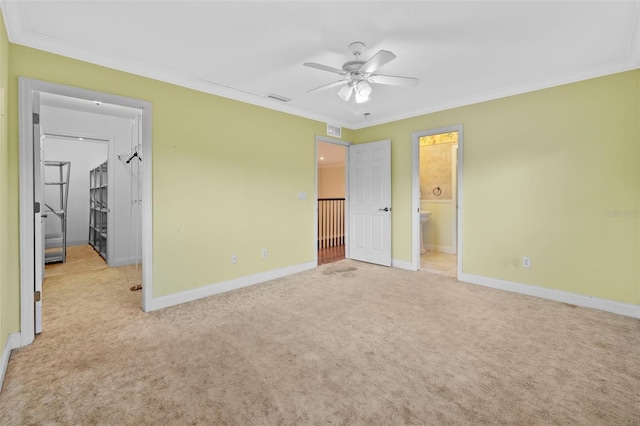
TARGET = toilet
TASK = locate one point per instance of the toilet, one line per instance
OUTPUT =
(424, 216)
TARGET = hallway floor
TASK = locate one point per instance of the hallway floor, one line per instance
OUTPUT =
(330, 254)
(439, 263)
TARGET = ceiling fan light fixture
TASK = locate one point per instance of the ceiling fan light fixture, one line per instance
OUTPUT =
(361, 99)
(363, 88)
(345, 92)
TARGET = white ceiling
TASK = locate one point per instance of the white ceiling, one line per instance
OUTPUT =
(462, 52)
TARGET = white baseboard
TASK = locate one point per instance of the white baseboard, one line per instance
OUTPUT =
(77, 243)
(441, 249)
(620, 308)
(13, 342)
(123, 262)
(401, 264)
(222, 287)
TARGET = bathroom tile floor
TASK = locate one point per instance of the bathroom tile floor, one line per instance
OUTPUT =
(439, 263)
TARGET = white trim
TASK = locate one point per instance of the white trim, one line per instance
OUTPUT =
(416, 229)
(440, 249)
(146, 207)
(415, 199)
(454, 187)
(26, 87)
(27, 258)
(459, 199)
(401, 264)
(13, 342)
(223, 287)
(620, 308)
(124, 262)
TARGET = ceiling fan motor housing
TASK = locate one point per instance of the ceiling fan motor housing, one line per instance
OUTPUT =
(352, 70)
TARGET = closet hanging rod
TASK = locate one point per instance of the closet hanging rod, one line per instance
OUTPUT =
(77, 138)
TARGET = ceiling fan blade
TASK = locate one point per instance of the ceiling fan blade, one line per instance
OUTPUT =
(323, 67)
(329, 86)
(393, 80)
(379, 59)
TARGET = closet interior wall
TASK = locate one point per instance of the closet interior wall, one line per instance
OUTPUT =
(123, 135)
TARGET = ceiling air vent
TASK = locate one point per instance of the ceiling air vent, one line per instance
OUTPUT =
(335, 131)
(278, 97)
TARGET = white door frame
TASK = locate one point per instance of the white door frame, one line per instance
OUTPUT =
(454, 168)
(26, 88)
(346, 144)
(415, 187)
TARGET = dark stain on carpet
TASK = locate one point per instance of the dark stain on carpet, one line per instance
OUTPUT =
(346, 271)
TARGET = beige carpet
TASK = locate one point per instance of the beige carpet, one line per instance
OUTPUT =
(346, 343)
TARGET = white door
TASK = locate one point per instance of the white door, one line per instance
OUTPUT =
(38, 196)
(370, 202)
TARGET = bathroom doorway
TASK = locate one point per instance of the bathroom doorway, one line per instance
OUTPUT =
(437, 178)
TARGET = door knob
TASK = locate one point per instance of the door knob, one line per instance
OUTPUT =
(386, 209)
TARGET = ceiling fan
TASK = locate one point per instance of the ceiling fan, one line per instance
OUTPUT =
(358, 74)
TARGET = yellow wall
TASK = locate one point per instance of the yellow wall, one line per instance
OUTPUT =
(8, 322)
(438, 231)
(540, 169)
(226, 176)
(542, 173)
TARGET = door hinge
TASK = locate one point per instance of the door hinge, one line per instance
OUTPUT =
(36, 118)
(36, 207)
(36, 296)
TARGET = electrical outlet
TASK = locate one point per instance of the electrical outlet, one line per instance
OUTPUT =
(264, 253)
(526, 262)
(234, 258)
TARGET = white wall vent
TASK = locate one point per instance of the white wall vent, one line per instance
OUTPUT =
(278, 97)
(335, 131)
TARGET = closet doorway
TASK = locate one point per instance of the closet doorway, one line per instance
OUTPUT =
(82, 186)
